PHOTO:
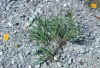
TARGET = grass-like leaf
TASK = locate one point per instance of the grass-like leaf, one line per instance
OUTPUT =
(58, 28)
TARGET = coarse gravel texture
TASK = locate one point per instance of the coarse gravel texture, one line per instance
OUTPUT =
(17, 52)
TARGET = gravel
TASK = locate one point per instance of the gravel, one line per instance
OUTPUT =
(18, 51)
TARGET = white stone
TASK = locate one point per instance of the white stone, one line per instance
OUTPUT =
(1, 53)
(59, 64)
(9, 24)
(57, 0)
(65, 5)
(46, 0)
(55, 58)
(37, 66)
(29, 66)
(12, 61)
(68, 4)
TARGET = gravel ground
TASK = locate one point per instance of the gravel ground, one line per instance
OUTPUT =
(17, 52)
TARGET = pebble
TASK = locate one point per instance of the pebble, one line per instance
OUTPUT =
(55, 58)
(37, 66)
(59, 64)
(65, 5)
(9, 16)
(21, 57)
(70, 61)
(1, 53)
(10, 25)
(29, 66)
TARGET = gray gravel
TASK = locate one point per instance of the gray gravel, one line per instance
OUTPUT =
(14, 19)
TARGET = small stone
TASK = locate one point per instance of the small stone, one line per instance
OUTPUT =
(21, 57)
(59, 64)
(27, 1)
(44, 65)
(81, 63)
(9, 24)
(1, 53)
(65, 5)
(23, 16)
(98, 57)
(12, 61)
(70, 61)
(46, 0)
(29, 66)
(57, 0)
(55, 58)
(17, 24)
(37, 66)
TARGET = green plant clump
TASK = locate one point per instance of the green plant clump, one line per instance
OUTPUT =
(58, 28)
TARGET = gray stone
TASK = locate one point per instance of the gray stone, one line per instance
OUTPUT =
(14, 19)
